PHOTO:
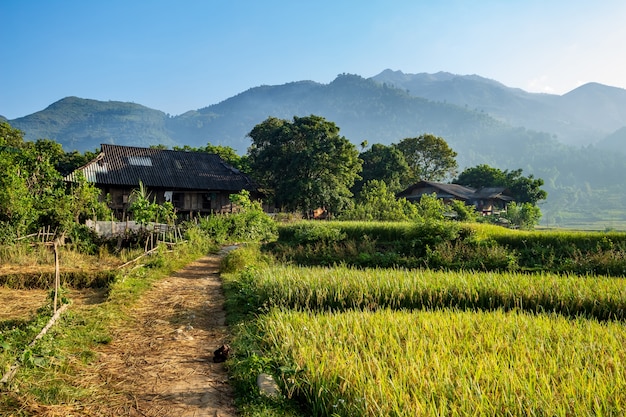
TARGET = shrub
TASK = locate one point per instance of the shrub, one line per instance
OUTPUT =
(377, 202)
(250, 224)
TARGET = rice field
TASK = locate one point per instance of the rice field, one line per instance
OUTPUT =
(449, 363)
(341, 288)
(393, 342)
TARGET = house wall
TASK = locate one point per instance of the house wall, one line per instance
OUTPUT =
(186, 202)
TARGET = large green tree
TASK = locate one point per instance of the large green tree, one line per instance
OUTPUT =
(304, 164)
(524, 189)
(429, 157)
(386, 164)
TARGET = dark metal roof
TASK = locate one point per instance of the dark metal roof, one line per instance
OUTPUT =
(454, 190)
(127, 166)
(458, 191)
(493, 193)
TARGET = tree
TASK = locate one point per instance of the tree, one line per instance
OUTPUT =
(524, 189)
(384, 163)
(429, 157)
(32, 191)
(524, 215)
(304, 164)
(10, 137)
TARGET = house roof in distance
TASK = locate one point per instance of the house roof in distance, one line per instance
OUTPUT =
(158, 168)
(455, 191)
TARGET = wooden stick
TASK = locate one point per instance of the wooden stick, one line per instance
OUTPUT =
(137, 258)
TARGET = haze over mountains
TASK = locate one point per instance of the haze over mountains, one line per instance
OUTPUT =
(576, 142)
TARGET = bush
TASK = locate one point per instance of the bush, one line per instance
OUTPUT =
(250, 224)
(377, 202)
(463, 212)
(247, 256)
(525, 215)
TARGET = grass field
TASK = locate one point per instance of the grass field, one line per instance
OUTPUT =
(343, 341)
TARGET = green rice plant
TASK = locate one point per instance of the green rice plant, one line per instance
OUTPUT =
(379, 230)
(342, 288)
(446, 362)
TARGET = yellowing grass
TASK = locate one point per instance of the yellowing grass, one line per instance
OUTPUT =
(449, 363)
(341, 288)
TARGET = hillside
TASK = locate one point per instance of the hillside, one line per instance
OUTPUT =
(84, 124)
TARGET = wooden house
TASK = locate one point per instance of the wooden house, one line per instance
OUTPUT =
(486, 200)
(195, 182)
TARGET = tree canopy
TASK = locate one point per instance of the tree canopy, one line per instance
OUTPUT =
(429, 158)
(386, 164)
(524, 189)
(304, 164)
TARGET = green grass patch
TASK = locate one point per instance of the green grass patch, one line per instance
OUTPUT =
(450, 245)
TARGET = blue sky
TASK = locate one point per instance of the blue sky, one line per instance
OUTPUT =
(181, 55)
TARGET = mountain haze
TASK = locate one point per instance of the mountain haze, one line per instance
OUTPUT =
(581, 117)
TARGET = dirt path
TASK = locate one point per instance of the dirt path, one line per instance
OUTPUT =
(163, 362)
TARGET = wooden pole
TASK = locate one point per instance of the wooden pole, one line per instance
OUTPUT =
(57, 274)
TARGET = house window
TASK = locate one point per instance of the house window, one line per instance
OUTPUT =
(206, 201)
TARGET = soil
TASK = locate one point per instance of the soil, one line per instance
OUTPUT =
(161, 363)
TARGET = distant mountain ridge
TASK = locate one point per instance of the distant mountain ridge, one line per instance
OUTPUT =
(384, 108)
(583, 116)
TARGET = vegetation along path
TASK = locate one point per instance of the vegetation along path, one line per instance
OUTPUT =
(163, 360)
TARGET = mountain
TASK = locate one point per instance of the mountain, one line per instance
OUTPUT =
(82, 124)
(580, 117)
(363, 109)
(616, 141)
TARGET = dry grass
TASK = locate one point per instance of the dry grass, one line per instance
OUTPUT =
(20, 304)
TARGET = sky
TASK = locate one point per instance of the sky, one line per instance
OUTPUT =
(181, 55)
